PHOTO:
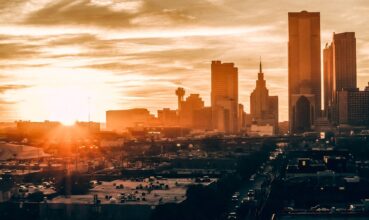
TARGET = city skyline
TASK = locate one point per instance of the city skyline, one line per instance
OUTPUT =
(47, 60)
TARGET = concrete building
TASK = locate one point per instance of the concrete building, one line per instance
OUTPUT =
(353, 107)
(188, 108)
(241, 117)
(264, 108)
(224, 97)
(304, 70)
(202, 119)
(89, 127)
(259, 103)
(36, 129)
(168, 117)
(120, 120)
(344, 61)
(261, 130)
(322, 124)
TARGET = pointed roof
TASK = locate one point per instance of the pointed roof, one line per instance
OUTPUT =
(260, 66)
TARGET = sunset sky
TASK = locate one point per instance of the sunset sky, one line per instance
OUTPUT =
(58, 57)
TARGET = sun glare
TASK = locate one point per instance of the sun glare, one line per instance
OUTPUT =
(68, 122)
(66, 104)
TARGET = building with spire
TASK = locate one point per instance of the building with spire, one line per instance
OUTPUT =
(263, 108)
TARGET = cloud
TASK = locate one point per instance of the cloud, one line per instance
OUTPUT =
(5, 88)
(16, 50)
(98, 13)
(65, 12)
(142, 49)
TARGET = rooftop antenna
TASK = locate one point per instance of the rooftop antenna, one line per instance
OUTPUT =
(260, 67)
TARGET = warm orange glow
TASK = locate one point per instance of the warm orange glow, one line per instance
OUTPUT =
(133, 54)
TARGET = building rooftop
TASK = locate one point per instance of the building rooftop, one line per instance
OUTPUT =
(150, 191)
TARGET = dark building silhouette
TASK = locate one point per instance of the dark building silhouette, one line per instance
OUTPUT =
(353, 107)
(264, 108)
(241, 117)
(180, 92)
(339, 71)
(328, 78)
(120, 120)
(224, 96)
(188, 108)
(303, 70)
(88, 126)
(344, 55)
(28, 128)
(168, 117)
(202, 119)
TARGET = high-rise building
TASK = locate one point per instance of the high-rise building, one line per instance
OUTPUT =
(328, 79)
(264, 108)
(304, 72)
(241, 117)
(274, 112)
(344, 61)
(202, 119)
(339, 71)
(353, 107)
(259, 97)
(224, 97)
(188, 108)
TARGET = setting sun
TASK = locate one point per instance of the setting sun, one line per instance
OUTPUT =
(184, 109)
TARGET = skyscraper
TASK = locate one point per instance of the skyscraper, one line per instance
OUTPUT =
(259, 97)
(303, 70)
(264, 108)
(344, 61)
(339, 70)
(353, 107)
(224, 96)
(328, 78)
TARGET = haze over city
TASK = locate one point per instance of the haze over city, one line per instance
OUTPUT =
(64, 60)
(184, 109)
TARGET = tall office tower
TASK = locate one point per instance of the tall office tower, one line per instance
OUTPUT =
(224, 96)
(344, 61)
(264, 108)
(328, 79)
(303, 70)
(339, 70)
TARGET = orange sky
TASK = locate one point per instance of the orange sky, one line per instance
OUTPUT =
(58, 57)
